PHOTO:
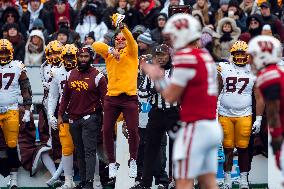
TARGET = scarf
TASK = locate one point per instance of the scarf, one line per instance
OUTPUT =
(226, 37)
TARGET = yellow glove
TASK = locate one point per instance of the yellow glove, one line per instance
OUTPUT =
(117, 19)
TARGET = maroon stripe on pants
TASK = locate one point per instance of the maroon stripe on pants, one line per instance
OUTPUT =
(113, 106)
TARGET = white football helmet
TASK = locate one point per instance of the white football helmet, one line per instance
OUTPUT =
(264, 50)
(183, 29)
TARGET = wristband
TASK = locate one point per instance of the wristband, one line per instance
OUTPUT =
(276, 132)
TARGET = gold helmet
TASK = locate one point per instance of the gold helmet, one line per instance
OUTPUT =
(238, 52)
(53, 52)
(6, 51)
(69, 56)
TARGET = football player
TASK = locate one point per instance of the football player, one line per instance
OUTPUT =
(236, 86)
(194, 84)
(12, 78)
(59, 77)
(266, 52)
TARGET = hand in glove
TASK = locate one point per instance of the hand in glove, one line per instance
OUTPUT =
(117, 19)
(27, 116)
(256, 125)
(53, 122)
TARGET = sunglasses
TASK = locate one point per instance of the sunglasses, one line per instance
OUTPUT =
(10, 15)
(120, 39)
(253, 22)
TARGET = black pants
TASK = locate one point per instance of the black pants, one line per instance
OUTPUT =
(160, 174)
(84, 134)
(159, 122)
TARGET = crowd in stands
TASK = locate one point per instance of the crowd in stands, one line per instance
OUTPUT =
(31, 24)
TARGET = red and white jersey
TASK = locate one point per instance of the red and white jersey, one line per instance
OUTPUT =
(9, 84)
(271, 75)
(195, 70)
(59, 77)
(236, 96)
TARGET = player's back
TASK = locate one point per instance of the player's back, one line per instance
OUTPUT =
(199, 100)
(9, 83)
(271, 75)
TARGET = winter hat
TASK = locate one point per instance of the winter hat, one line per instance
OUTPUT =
(109, 35)
(145, 38)
(139, 29)
(91, 35)
(163, 48)
(38, 23)
(234, 3)
(224, 2)
(266, 27)
(63, 30)
(13, 25)
(162, 16)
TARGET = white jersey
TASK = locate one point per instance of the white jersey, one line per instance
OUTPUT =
(236, 96)
(59, 78)
(45, 69)
(9, 84)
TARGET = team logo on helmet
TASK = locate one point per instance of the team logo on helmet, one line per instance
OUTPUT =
(69, 56)
(238, 52)
(53, 52)
(6, 51)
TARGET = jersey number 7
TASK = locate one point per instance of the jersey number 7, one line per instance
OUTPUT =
(11, 77)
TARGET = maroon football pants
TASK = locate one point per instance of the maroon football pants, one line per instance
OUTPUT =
(113, 106)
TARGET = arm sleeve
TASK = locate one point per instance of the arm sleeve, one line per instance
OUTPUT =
(272, 92)
(181, 76)
(53, 96)
(131, 43)
(101, 48)
(102, 84)
(65, 99)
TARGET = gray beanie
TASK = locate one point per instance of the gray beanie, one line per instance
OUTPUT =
(145, 38)
(224, 2)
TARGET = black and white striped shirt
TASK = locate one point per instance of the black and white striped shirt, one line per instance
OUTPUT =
(147, 90)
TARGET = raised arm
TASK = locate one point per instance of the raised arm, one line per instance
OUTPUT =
(101, 48)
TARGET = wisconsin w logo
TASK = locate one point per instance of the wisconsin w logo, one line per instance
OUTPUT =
(266, 46)
(181, 24)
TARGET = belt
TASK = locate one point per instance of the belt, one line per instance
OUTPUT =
(166, 109)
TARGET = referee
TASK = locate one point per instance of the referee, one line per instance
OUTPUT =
(162, 117)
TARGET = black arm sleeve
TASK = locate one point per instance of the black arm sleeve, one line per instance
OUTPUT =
(272, 92)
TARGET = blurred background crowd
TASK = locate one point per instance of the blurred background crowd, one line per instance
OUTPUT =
(31, 24)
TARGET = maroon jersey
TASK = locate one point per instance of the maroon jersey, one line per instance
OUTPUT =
(83, 93)
(197, 73)
(272, 75)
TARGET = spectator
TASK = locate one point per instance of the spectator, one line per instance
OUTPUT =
(148, 13)
(35, 10)
(35, 47)
(235, 12)
(206, 11)
(168, 3)
(254, 23)
(38, 25)
(156, 33)
(61, 9)
(272, 20)
(145, 43)
(11, 15)
(64, 26)
(123, 7)
(89, 39)
(91, 20)
(137, 30)
(16, 38)
(208, 40)
(229, 33)
(63, 35)
(222, 11)
(4, 5)
(79, 5)
(266, 30)
(108, 37)
(198, 15)
(250, 7)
